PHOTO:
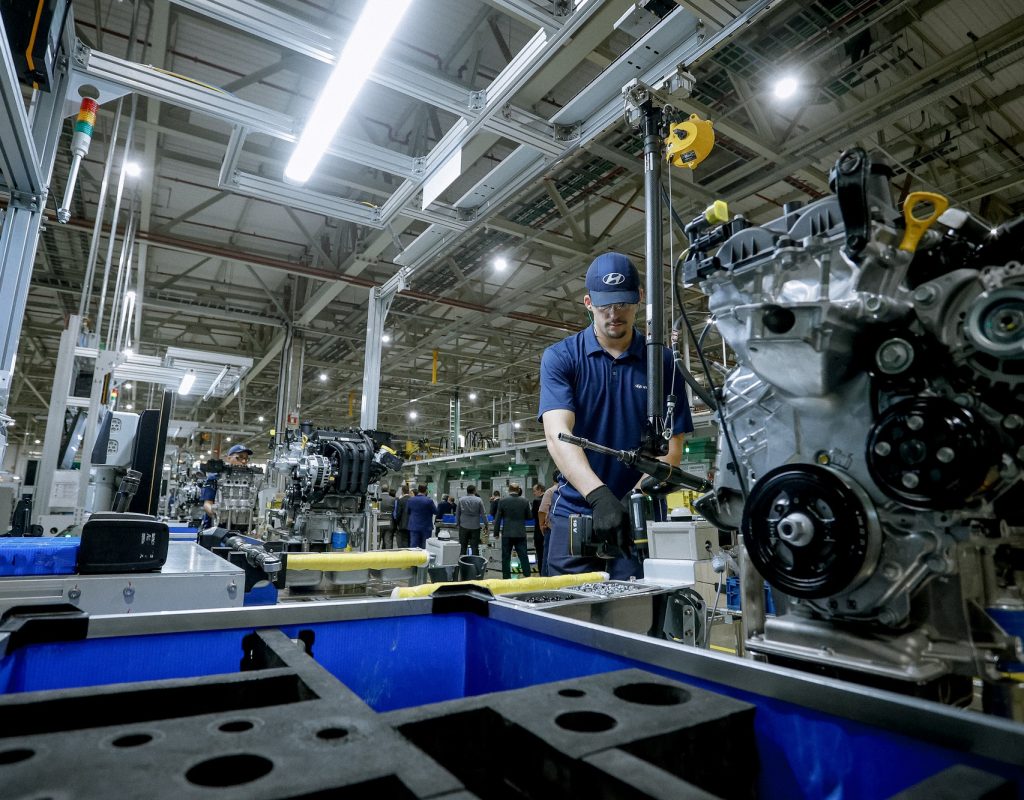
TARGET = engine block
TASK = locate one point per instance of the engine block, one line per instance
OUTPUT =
(875, 437)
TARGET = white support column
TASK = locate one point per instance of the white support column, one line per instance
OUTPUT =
(106, 361)
(380, 303)
(55, 419)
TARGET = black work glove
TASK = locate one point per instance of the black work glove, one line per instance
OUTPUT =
(611, 520)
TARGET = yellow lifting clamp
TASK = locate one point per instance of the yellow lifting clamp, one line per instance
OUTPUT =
(917, 225)
(689, 142)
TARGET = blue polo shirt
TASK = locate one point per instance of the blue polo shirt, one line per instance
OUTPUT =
(609, 398)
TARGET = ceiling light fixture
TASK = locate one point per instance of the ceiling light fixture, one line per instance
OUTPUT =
(785, 87)
(132, 169)
(501, 264)
(187, 381)
(128, 407)
(472, 395)
(229, 438)
(368, 39)
(413, 415)
(517, 426)
(386, 338)
(260, 419)
(127, 386)
(38, 441)
(323, 377)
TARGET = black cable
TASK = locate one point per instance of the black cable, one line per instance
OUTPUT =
(667, 198)
(677, 291)
(711, 384)
(704, 333)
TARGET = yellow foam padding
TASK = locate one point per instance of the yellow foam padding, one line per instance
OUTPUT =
(343, 562)
(500, 586)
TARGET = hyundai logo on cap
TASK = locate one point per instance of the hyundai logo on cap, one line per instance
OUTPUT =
(612, 278)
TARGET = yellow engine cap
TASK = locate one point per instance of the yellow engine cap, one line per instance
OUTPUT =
(717, 212)
(916, 226)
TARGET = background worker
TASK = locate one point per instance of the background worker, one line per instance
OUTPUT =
(444, 508)
(422, 510)
(510, 523)
(594, 385)
(544, 519)
(400, 518)
(237, 456)
(538, 531)
(470, 516)
(386, 519)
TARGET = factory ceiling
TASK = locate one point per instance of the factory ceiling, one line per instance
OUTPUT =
(228, 254)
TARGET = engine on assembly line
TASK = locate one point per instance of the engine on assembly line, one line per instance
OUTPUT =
(874, 428)
(321, 478)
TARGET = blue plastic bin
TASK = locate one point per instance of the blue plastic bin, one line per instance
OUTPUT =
(23, 555)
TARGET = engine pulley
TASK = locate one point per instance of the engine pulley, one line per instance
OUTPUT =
(928, 452)
(809, 532)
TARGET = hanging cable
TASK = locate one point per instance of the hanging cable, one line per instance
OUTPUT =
(711, 387)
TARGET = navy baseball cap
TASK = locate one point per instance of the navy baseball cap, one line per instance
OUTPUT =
(612, 278)
(238, 448)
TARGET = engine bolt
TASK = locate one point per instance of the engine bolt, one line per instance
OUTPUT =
(1012, 422)
(910, 480)
(894, 356)
(883, 448)
(945, 454)
(914, 422)
(925, 295)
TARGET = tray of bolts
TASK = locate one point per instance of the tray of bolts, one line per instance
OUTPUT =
(623, 605)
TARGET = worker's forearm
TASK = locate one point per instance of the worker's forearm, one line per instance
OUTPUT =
(572, 462)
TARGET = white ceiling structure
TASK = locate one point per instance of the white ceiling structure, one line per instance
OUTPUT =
(549, 176)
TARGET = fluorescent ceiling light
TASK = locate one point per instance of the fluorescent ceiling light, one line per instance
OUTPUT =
(127, 385)
(323, 376)
(785, 87)
(187, 381)
(132, 169)
(229, 438)
(472, 395)
(259, 419)
(517, 426)
(413, 415)
(374, 28)
(128, 407)
(386, 338)
(38, 442)
(500, 264)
